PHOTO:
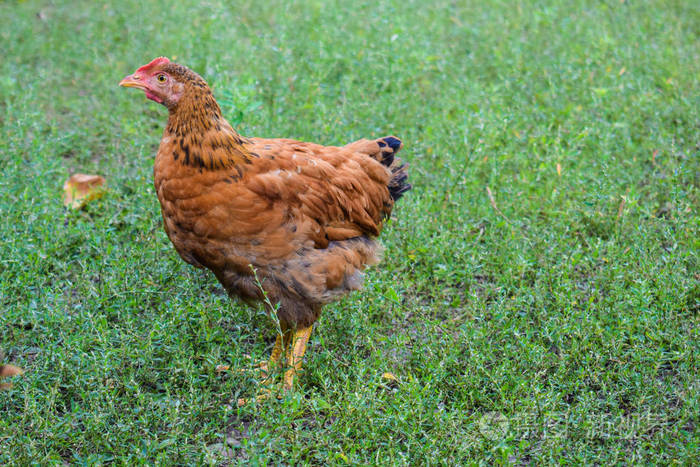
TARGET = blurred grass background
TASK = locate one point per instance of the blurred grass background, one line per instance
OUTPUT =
(553, 316)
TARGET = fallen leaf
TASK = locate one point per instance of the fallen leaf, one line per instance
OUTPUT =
(558, 169)
(7, 371)
(390, 377)
(81, 188)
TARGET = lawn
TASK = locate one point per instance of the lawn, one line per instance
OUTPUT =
(539, 296)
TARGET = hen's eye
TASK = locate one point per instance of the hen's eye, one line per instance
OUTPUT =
(161, 78)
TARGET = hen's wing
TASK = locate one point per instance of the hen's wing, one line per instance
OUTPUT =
(338, 192)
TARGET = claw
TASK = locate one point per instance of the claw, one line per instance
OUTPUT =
(296, 341)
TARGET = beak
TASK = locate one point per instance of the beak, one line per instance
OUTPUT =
(132, 81)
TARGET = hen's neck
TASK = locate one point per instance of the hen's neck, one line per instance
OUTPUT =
(200, 136)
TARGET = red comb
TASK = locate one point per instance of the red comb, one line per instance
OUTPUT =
(154, 62)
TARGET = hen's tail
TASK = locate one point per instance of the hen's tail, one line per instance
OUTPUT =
(398, 184)
(384, 150)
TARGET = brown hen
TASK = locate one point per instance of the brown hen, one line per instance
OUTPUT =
(302, 217)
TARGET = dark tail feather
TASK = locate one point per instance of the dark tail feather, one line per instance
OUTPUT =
(398, 185)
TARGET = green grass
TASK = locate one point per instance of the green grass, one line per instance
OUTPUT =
(557, 322)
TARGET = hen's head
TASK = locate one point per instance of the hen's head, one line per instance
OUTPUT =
(164, 81)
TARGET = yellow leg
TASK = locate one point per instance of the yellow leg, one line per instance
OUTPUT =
(296, 355)
(277, 350)
(276, 354)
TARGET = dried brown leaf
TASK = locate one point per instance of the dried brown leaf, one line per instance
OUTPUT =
(7, 371)
(81, 188)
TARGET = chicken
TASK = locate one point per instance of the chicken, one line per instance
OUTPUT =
(289, 223)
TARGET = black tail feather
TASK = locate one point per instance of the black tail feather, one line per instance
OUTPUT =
(398, 184)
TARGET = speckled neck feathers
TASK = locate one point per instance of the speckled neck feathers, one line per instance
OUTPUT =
(200, 136)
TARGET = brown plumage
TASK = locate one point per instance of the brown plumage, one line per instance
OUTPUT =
(304, 216)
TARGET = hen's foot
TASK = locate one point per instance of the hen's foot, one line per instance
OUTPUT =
(295, 355)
